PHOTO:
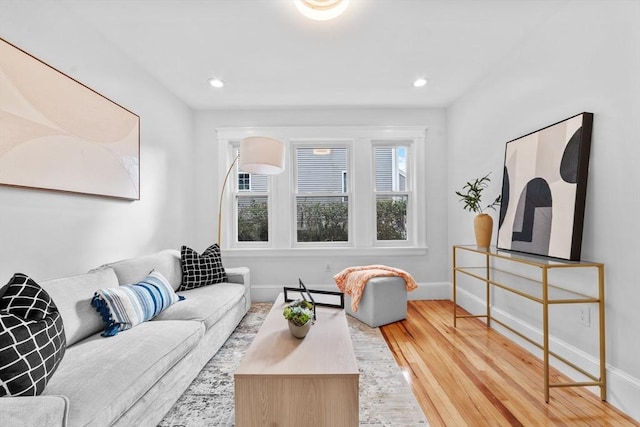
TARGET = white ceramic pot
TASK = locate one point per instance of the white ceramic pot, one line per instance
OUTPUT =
(299, 331)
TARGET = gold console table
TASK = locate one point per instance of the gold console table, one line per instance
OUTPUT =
(538, 290)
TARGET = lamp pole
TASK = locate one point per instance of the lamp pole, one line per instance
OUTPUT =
(224, 186)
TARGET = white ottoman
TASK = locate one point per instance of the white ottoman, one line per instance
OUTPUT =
(384, 301)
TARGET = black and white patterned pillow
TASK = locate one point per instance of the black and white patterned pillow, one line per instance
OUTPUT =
(32, 340)
(201, 270)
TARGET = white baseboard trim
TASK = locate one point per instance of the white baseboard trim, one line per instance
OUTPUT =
(431, 290)
(623, 390)
(425, 291)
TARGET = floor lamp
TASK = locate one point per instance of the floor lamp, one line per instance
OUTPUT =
(258, 155)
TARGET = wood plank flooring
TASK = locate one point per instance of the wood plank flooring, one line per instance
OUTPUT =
(473, 376)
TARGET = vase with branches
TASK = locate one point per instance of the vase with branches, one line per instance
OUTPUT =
(471, 196)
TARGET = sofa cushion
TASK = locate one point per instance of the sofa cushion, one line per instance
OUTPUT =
(103, 378)
(33, 411)
(133, 270)
(126, 306)
(207, 304)
(201, 270)
(32, 341)
(73, 298)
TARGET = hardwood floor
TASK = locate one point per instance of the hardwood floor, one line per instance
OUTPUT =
(473, 376)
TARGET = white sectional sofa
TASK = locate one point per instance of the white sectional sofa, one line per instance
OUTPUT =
(133, 378)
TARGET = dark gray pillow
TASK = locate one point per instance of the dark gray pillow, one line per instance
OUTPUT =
(32, 340)
(201, 270)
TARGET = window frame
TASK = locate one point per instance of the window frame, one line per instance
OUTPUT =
(408, 192)
(361, 192)
(232, 194)
(320, 143)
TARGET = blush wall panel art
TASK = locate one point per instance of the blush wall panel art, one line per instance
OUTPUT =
(544, 188)
(57, 134)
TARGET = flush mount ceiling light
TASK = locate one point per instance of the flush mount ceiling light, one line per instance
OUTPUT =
(420, 82)
(215, 82)
(321, 10)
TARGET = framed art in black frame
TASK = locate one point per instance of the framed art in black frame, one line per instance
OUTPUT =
(544, 189)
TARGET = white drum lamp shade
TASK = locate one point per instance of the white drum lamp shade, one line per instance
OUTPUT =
(261, 155)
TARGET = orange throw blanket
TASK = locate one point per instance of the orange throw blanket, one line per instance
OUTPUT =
(352, 280)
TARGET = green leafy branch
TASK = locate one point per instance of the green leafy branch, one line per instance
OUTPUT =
(471, 195)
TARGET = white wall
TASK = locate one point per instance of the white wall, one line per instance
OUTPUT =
(585, 58)
(273, 273)
(51, 234)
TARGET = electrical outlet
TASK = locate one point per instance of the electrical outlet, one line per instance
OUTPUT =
(584, 315)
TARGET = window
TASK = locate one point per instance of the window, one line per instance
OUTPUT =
(344, 188)
(252, 206)
(392, 196)
(322, 202)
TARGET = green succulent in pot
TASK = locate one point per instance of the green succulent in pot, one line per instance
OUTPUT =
(298, 312)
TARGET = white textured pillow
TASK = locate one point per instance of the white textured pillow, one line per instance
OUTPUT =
(72, 296)
(133, 270)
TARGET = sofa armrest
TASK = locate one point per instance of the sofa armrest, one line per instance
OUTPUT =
(238, 275)
(34, 411)
(241, 276)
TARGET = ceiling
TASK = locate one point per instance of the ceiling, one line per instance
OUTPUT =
(269, 55)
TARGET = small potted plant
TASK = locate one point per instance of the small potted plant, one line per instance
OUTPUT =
(471, 195)
(299, 313)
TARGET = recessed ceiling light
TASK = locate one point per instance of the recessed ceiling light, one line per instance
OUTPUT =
(321, 10)
(420, 82)
(216, 82)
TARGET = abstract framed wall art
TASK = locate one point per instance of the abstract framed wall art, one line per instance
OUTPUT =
(58, 134)
(544, 188)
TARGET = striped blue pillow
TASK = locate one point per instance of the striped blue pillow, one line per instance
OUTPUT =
(126, 306)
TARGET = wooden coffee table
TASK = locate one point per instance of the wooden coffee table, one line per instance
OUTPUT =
(286, 381)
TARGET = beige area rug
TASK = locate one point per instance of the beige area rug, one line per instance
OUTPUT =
(385, 396)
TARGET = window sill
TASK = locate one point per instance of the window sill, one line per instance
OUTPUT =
(312, 252)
